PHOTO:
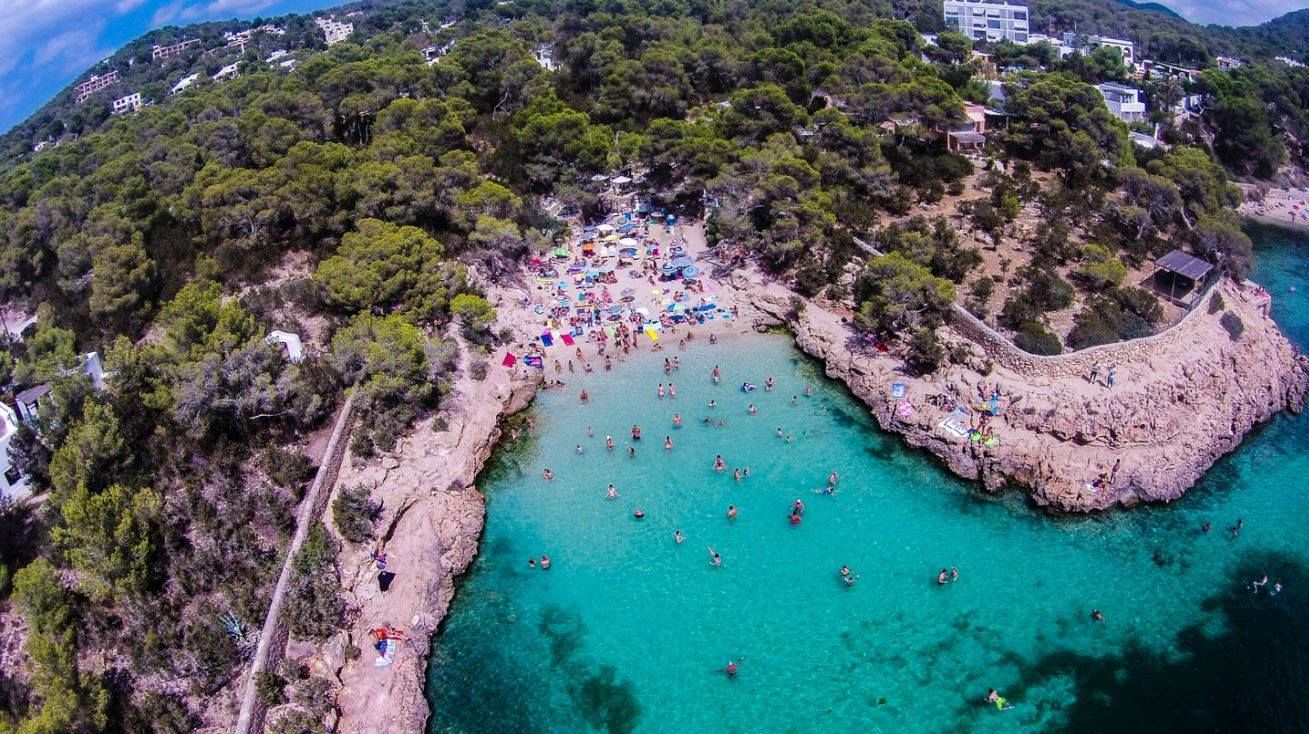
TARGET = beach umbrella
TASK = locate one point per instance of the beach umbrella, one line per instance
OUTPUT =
(628, 242)
(561, 252)
(605, 228)
(690, 272)
(643, 311)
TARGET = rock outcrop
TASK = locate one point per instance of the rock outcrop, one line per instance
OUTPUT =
(1182, 398)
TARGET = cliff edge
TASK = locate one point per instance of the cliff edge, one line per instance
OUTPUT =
(1181, 398)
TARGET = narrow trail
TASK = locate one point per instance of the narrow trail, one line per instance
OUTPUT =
(272, 637)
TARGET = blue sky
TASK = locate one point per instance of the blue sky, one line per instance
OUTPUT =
(45, 44)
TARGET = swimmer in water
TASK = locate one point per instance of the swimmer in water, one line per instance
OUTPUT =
(545, 562)
(793, 399)
(719, 465)
(736, 474)
(833, 478)
(549, 475)
(636, 433)
(845, 570)
(715, 560)
(713, 403)
(715, 375)
(672, 390)
(797, 507)
(678, 537)
(779, 431)
(753, 410)
(808, 391)
(584, 396)
(612, 492)
(942, 577)
(638, 513)
(732, 667)
(668, 443)
(1096, 616)
(609, 442)
(677, 420)
(661, 391)
(731, 512)
(631, 451)
(954, 574)
(579, 448)
(589, 432)
(768, 385)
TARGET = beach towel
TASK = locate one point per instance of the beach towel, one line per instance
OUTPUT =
(650, 332)
(533, 360)
(547, 340)
(954, 428)
(510, 360)
(388, 654)
(897, 390)
(568, 340)
(905, 410)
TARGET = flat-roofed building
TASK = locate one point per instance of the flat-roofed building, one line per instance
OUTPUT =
(163, 52)
(130, 103)
(93, 85)
(987, 20)
(1124, 102)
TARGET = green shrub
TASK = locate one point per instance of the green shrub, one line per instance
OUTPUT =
(270, 688)
(477, 368)
(1216, 303)
(354, 512)
(1034, 338)
(314, 608)
(1233, 324)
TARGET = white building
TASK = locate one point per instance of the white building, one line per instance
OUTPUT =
(334, 30)
(987, 20)
(1124, 102)
(1126, 48)
(13, 485)
(162, 52)
(291, 344)
(130, 103)
(274, 56)
(93, 85)
(545, 58)
(227, 72)
(184, 84)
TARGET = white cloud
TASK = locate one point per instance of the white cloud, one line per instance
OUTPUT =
(1234, 12)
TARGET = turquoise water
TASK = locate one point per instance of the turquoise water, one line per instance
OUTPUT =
(629, 631)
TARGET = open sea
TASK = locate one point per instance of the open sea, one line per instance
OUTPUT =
(629, 631)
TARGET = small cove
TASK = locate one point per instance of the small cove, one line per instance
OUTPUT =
(629, 631)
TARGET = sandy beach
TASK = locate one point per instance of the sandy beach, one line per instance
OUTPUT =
(1281, 207)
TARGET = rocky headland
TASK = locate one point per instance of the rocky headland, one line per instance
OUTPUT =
(1182, 398)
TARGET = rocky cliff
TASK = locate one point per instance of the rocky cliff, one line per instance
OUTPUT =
(1181, 399)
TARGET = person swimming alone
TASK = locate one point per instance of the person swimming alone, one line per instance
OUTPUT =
(719, 465)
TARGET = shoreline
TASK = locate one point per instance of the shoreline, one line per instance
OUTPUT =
(1082, 433)
(1186, 398)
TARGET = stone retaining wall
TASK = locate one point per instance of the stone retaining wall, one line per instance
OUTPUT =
(1000, 350)
(273, 637)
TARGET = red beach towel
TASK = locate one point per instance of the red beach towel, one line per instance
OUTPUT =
(510, 360)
